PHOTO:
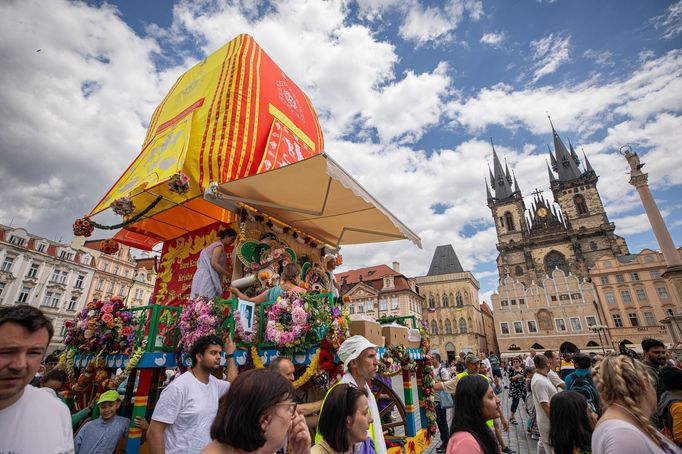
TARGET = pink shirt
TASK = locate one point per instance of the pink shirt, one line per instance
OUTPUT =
(463, 442)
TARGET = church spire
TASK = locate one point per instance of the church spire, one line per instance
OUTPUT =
(574, 155)
(566, 167)
(588, 166)
(517, 189)
(487, 191)
(551, 174)
(501, 183)
(506, 171)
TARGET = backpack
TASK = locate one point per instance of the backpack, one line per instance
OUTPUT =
(585, 386)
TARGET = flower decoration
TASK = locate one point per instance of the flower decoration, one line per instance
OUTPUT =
(99, 332)
(123, 206)
(179, 183)
(199, 317)
(425, 343)
(83, 227)
(396, 359)
(296, 321)
(339, 260)
(428, 400)
(109, 246)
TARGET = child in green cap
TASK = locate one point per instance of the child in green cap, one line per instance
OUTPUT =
(101, 435)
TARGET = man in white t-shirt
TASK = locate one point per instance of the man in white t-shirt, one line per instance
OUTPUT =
(31, 420)
(528, 363)
(553, 362)
(543, 390)
(182, 418)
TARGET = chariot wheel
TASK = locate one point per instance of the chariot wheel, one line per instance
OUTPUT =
(391, 410)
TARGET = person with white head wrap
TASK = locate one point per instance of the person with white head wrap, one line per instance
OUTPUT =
(359, 357)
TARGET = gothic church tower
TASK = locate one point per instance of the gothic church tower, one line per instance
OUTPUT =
(569, 234)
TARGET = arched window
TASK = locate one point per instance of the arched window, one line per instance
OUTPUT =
(462, 326)
(580, 204)
(459, 302)
(446, 302)
(518, 270)
(553, 260)
(432, 302)
(509, 221)
(434, 327)
(448, 327)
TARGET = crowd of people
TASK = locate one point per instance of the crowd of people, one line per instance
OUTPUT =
(573, 403)
(618, 403)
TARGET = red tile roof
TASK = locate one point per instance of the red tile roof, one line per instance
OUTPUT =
(368, 274)
(147, 263)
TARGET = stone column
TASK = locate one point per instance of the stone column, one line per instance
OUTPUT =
(673, 272)
(640, 182)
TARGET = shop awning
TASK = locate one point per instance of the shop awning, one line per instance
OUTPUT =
(319, 198)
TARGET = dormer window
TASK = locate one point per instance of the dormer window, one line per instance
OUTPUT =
(17, 240)
(388, 281)
(42, 247)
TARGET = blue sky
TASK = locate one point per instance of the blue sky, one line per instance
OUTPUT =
(417, 88)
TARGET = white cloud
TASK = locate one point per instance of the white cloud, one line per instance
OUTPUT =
(493, 39)
(423, 93)
(600, 57)
(77, 86)
(670, 22)
(433, 23)
(631, 225)
(549, 53)
(584, 107)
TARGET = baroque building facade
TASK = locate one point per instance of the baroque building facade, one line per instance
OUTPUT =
(557, 313)
(114, 272)
(451, 307)
(379, 291)
(46, 274)
(144, 279)
(635, 298)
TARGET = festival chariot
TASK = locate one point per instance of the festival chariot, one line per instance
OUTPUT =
(236, 142)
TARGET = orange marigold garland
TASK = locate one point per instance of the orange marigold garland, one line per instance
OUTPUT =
(83, 227)
(109, 246)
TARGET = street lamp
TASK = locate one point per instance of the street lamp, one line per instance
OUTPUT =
(598, 329)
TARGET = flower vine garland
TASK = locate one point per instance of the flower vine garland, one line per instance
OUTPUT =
(85, 225)
(396, 355)
(428, 401)
(309, 373)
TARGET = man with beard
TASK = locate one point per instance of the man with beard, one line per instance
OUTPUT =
(655, 358)
(30, 419)
(182, 419)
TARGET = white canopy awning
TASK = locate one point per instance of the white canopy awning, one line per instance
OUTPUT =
(318, 197)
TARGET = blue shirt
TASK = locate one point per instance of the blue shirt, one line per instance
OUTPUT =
(99, 437)
(580, 373)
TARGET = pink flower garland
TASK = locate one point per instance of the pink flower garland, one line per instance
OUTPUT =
(199, 318)
(279, 329)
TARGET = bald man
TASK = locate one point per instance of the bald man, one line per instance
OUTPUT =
(285, 367)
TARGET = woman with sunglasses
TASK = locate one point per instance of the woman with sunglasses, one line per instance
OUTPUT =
(258, 415)
(344, 421)
(517, 387)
